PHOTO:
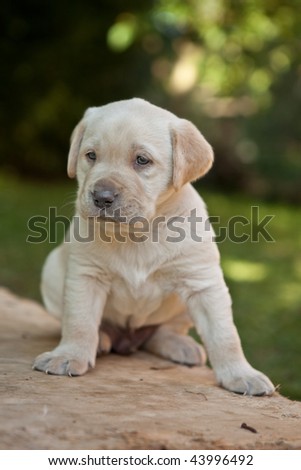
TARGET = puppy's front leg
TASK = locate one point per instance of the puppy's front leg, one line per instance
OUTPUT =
(85, 298)
(212, 314)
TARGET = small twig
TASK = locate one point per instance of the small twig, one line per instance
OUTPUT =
(162, 367)
(197, 393)
(248, 428)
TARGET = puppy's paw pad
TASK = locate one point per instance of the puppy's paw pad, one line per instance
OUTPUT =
(58, 364)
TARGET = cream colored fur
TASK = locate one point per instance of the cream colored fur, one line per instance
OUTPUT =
(133, 284)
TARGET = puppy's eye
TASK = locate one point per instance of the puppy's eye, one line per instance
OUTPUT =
(91, 155)
(141, 160)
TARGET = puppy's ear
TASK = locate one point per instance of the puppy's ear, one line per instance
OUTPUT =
(76, 139)
(192, 154)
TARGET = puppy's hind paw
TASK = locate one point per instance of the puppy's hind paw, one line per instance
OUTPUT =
(104, 344)
(177, 348)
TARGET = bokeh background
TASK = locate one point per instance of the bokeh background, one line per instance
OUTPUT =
(232, 67)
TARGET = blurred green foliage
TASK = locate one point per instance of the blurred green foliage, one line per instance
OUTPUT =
(231, 66)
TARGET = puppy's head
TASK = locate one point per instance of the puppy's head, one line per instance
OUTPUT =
(130, 155)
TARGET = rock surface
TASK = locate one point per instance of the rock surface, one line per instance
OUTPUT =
(136, 402)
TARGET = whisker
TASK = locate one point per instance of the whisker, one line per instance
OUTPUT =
(71, 201)
(68, 203)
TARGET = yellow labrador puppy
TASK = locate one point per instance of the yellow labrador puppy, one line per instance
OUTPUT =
(140, 259)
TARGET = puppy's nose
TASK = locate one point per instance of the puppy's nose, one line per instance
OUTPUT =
(104, 198)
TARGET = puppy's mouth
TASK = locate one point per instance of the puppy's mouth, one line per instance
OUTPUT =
(125, 215)
(112, 216)
(117, 211)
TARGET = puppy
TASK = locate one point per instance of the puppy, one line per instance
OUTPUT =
(140, 261)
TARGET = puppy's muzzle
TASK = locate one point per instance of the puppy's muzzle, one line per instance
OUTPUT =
(104, 195)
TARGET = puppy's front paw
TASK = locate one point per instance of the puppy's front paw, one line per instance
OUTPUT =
(63, 362)
(246, 381)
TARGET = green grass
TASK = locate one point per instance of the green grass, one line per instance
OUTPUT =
(20, 261)
(264, 278)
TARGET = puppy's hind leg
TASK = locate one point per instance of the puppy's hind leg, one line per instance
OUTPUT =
(170, 343)
(104, 343)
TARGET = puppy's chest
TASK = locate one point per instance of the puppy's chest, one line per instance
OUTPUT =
(136, 292)
(137, 284)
